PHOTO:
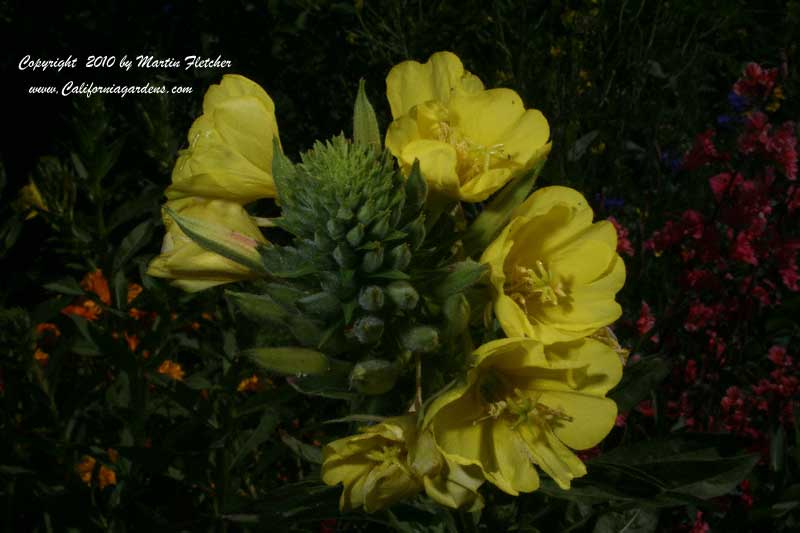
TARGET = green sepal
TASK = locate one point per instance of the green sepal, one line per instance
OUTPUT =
(220, 240)
(497, 213)
(461, 276)
(365, 123)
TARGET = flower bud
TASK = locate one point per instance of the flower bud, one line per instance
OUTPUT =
(421, 339)
(322, 304)
(380, 228)
(402, 294)
(368, 329)
(373, 260)
(456, 315)
(344, 256)
(371, 298)
(400, 257)
(336, 228)
(375, 376)
(355, 235)
(416, 231)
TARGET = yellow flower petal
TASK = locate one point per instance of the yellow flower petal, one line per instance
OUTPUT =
(230, 145)
(411, 83)
(437, 163)
(191, 266)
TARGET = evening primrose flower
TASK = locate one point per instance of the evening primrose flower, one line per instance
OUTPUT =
(372, 465)
(230, 145)
(524, 404)
(191, 266)
(554, 274)
(469, 141)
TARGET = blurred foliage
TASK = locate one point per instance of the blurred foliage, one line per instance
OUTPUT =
(625, 86)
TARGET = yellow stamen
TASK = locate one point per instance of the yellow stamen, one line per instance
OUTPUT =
(539, 281)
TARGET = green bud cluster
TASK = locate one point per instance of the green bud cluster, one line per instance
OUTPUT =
(357, 222)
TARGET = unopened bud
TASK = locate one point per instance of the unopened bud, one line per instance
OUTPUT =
(355, 235)
(373, 260)
(421, 339)
(400, 257)
(368, 329)
(344, 256)
(320, 304)
(456, 315)
(402, 294)
(375, 376)
(416, 231)
(371, 298)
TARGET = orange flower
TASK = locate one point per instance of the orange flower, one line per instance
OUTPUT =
(47, 328)
(132, 340)
(171, 369)
(96, 282)
(86, 308)
(41, 356)
(84, 469)
(106, 477)
(134, 290)
(250, 384)
(113, 455)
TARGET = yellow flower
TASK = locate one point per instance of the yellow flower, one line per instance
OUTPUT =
(171, 369)
(524, 403)
(372, 465)
(555, 274)
(192, 267)
(446, 482)
(230, 145)
(469, 141)
(31, 200)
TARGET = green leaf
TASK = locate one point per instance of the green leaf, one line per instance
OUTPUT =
(496, 215)
(631, 521)
(290, 360)
(65, 286)
(197, 382)
(305, 451)
(119, 288)
(638, 380)
(268, 423)
(581, 145)
(461, 276)
(365, 123)
(220, 240)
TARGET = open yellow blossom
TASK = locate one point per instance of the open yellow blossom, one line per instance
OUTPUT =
(372, 465)
(191, 266)
(469, 141)
(524, 403)
(230, 145)
(554, 273)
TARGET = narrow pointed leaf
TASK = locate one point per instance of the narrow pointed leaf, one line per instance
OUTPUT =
(365, 123)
